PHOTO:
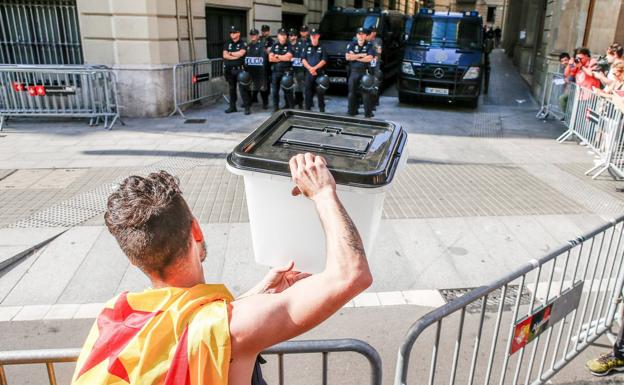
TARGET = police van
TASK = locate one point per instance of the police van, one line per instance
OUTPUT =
(443, 57)
(338, 27)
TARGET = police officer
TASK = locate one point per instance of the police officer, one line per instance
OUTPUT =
(268, 42)
(375, 64)
(298, 47)
(255, 63)
(359, 54)
(314, 60)
(280, 56)
(234, 51)
(304, 35)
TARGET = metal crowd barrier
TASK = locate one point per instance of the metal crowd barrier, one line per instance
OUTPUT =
(51, 356)
(597, 123)
(194, 81)
(59, 91)
(554, 97)
(526, 326)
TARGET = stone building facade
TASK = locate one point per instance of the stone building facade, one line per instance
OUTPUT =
(492, 11)
(539, 30)
(143, 39)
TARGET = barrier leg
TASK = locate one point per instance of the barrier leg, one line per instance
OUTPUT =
(1, 122)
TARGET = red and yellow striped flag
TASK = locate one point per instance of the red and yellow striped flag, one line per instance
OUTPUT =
(159, 336)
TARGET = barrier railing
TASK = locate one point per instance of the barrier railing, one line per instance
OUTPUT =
(543, 315)
(49, 357)
(554, 97)
(59, 91)
(194, 81)
(592, 118)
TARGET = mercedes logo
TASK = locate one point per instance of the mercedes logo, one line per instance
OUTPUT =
(339, 62)
(438, 73)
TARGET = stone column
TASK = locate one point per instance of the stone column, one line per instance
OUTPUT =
(139, 39)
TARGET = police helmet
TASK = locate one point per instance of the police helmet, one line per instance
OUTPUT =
(322, 83)
(367, 83)
(287, 81)
(244, 78)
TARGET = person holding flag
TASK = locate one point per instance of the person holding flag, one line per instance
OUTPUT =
(184, 331)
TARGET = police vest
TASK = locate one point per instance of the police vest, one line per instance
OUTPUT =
(314, 54)
(355, 48)
(281, 49)
(231, 47)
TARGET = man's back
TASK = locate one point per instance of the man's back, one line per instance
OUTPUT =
(160, 336)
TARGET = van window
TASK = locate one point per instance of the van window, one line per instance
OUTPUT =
(447, 32)
(342, 26)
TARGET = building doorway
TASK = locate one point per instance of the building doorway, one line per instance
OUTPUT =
(218, 22)
(292, 20)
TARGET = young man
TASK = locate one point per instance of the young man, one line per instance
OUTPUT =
(184, 331)
(234, 51)
(280, 56)
(314, 61)
(359, 54)
(255, 63)
(583, 69)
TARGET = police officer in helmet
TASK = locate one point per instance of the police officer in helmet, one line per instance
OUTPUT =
(298, 71)
(360, 53)
(314, 60)
(234, 51)
(255, 63)
(280, 57)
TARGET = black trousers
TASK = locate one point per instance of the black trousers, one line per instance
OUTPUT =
(276, 78)
(231, 76)
(259, 85)
(310, 90)
(300, 75)
(355, 91)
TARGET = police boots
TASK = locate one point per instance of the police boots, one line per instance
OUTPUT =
(231, 109)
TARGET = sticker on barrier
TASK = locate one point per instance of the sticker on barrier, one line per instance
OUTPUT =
(532, 326)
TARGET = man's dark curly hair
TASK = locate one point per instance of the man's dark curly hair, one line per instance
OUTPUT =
(150, 220)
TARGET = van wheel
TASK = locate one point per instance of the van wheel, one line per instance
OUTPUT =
(473, 103)
(404, 98)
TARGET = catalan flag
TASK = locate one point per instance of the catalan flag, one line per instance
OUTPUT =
(159, 336)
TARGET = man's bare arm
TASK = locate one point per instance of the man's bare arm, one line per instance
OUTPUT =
(260, 321)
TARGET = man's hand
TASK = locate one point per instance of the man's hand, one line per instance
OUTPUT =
(313, 71)
(311, 176)
(279, 279)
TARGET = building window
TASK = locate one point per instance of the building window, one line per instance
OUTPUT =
(294, 1)
(331, 4)
(358, 4)
(39, 32)
(218, 22)
(392, 4)
(491, 14)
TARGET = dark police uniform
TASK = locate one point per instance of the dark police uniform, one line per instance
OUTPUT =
(256, 64)
(299, 70)
(268, 44)
(375, 66)
(278, 69)
(358, 69)
(314, 55)
(232, 68)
